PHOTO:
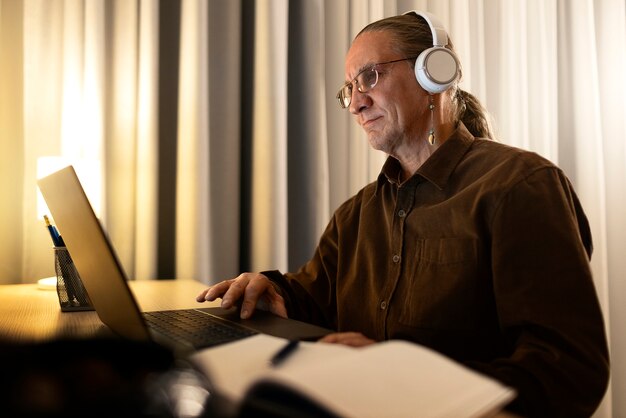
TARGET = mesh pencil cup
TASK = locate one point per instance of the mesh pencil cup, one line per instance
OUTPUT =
(72, 293)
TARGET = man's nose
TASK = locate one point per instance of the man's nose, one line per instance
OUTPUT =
(360, 101)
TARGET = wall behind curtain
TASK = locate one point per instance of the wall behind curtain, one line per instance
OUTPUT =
(221, 145)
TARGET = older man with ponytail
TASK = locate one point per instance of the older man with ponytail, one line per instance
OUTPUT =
(465, 245)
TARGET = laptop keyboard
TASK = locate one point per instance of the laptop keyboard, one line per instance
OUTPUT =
(195, 328)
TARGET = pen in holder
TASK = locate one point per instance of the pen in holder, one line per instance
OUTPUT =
(72, 293)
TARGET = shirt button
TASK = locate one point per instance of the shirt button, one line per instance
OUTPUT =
(383, 305)
(401, 213)
(396, 258)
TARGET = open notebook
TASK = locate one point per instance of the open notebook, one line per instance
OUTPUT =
(390, 379)
(106, 283)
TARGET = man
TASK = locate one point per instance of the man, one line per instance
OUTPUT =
(470, 247)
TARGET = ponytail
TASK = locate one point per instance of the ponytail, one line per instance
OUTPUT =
(473, 115)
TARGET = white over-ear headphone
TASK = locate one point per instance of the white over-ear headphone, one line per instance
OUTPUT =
(437, 67)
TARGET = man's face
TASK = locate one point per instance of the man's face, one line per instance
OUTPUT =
(393, 112)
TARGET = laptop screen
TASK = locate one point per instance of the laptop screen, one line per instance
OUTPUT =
(93, 254)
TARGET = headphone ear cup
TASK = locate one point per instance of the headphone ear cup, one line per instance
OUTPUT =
(436, 69)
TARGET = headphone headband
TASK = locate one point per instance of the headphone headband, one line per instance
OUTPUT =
(437, 30)
(436, 68)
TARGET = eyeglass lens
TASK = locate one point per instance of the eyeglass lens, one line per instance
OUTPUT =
(364, 81)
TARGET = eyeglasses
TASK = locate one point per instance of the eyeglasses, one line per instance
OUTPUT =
(364, 81)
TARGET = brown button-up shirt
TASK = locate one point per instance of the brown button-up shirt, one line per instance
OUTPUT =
(482, 255)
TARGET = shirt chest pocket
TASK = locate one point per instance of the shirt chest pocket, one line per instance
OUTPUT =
(439, 286)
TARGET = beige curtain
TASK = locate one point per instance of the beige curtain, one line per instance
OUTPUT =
(259, 154)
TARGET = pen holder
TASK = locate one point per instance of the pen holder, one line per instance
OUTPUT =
(72, 293)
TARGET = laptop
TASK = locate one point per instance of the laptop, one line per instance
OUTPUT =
(106, 283)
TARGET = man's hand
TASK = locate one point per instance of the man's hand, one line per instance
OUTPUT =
(253, 289)
(352, 339)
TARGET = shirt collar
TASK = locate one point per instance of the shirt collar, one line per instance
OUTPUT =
(439, 166)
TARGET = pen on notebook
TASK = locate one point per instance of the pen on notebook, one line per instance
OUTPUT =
(284, 352)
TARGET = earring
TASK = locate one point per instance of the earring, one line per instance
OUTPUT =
(431, 132)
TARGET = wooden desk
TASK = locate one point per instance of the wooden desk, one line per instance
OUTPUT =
(30, 314)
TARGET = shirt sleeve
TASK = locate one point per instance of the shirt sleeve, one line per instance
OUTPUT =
(310, 293)
(546, 301)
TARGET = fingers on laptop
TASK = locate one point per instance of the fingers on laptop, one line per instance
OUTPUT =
(257, 292)
(251, 289)
(213, 292)
(249, 286)
(274, 302)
